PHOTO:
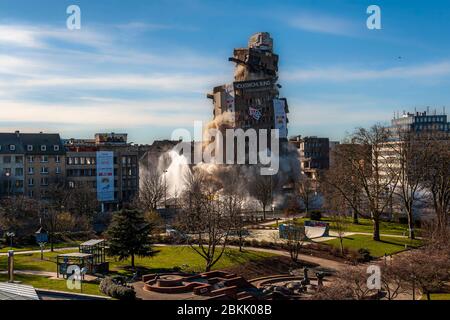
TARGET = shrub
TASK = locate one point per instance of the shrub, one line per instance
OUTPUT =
(365, 254)
(115, 288)
(315, 215)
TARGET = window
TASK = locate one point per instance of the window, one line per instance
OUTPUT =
(57, 159)
(30, 159)
(30, 182)
(58, 170)
(55, 147)
(7, 159)
(19, 172)
(29, 147)
(12, 147)
(19, 159)
(30, 170)
(31, 193)
(71, 184)
(44, 158)
(44, 170)
(44, 181)
(82, 160)
(43, 148)
(19, 184)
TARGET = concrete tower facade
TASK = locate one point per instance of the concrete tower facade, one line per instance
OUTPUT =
(252, 99)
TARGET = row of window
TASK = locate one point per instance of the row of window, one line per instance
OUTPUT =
(430, 119)
(12, 147)
(18, 172)
(126, 160)
(10, 159)
(43, 182)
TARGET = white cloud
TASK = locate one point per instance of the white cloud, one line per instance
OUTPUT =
(104, 114)
(318, 22)
(341, 74)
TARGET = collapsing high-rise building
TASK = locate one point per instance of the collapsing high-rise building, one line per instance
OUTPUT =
(252, 100)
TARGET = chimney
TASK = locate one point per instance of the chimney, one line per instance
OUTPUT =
(17, 132)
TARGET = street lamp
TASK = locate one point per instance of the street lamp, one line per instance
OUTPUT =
(11, 235)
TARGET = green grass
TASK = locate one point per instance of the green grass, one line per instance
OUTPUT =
(36, 247)
(184, 257)
(437, 296)
(388, 245)
(53, 284)
(365, 225)
(32, 261)
(166, 259)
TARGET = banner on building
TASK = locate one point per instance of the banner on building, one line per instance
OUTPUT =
(229, 104)
(279, 110)
(105, 176)
(255, 113)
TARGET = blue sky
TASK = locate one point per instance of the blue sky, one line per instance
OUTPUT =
(144, 67)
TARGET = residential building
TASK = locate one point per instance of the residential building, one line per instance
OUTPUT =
(81, 166)
(11, 164)
(314, 154)
(422, 122)
(44, 163)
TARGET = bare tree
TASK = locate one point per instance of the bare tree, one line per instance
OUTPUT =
(341, 181)
(340, 223)
(54, 210)
(262, 190)
(204, 218)
(83, 200)
(350, 284)
(426, 269)
(152, 190)
(233, 197)
(437, 179)
(306, 190)
(374, 170)
(392, 281)
(21, 215)
(410, 160)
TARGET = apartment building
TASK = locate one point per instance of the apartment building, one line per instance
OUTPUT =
(11, 164)
(314, 154)
(82, 165)
(44, 163)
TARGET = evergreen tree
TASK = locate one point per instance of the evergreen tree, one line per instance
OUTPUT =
(129, 235)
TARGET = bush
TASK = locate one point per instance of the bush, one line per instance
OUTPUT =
(315, 215)
(115, 288)
(364, 255)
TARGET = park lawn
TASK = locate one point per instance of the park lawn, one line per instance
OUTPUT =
(186, 259)
(41, 282)
(36, 247)
(365, 225)
(166, 259)
(32, 261)
(388, 245)
(437, 296)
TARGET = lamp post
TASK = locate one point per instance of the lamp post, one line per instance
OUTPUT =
(11, 236)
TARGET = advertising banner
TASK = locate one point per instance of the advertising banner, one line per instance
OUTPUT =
(229, 104)
(105, 176)
(279, 111)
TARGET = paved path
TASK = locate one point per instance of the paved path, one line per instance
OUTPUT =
(38, 251)
(327, 263)
(48, 274)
